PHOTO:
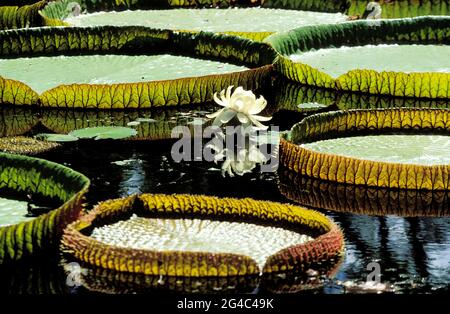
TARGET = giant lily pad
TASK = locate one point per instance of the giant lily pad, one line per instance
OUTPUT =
(108, 69)
(245, 20)
(309, 5)
(39, 179)
(190, 236)
(392, 161)
(199, 235)
(236, 18)
(173, 72)
(399, 58)
(404, 149)
(322, 56)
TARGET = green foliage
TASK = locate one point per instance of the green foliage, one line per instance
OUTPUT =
(105, 132)
(39, 177)
(23, 16)
(131, 39)
(421, 30)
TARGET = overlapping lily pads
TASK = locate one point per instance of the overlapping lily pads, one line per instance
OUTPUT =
(405, 32)
(252, 23)
(419, 171)
(84, 241)
(229, 17)
(142, 93)
(39, 178)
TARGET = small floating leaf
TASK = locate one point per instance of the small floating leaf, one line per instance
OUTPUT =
(133, 123)
(105, 132)
(148, 120)
(311, 105)
(51, 137)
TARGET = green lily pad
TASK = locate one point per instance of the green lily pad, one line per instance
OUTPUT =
(51, 137)
(406, 149)
(104, 132)
(108, 69)
(311, 105)
(212, 20)
(338, 61)
(13, 212)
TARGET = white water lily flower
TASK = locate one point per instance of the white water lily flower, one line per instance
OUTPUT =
(242, 104)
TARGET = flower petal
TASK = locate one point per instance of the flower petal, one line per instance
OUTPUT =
(261, 118)
(221, 101)
(259, 105)
(227, 115)
(258, 124)
(242, 118)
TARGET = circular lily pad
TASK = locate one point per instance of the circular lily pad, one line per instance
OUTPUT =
(398, 58)
(199, 235)
(405, 149)
(192, 236)
(108, 69)
(104, 132)
(213, 20)
(104, 67)
(321, 146)
(39, 179)
(320, 56)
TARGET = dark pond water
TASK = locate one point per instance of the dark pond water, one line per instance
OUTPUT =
(413, 252)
